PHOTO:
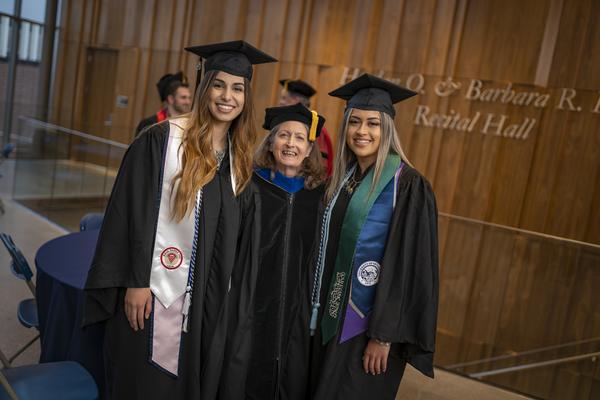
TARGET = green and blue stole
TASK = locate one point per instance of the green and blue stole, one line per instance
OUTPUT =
(362, 243)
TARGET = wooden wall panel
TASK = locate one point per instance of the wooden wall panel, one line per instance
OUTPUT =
(292, 38)
(456, 277)
(451, 154)
(571, 200)
(473, 39)
(364, 32)
(439, 43)
(253, 21)
(264, 87)
(511, 171)
(128, 65)
(196, 13)
(134, 11)
(593, 233)
(389, 28)
(236, 19)
(479, 154)
(329, 37)
(589, 59)
(415, 32)
(456, 37)
(178, 36)
(543, 169)
(515, 59)
(111, 23)
(416, 140)
(486, 294)
(570, 43)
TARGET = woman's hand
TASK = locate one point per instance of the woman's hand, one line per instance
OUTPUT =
(138, 305)
(375, 357)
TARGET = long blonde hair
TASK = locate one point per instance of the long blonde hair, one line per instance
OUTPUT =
(312, 166)
(198, 163)
(345, 157)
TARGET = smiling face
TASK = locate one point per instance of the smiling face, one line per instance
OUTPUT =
(290, 147)
(364, 135)
(180, 102)
(226, 100)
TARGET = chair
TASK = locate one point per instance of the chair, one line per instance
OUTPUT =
(27, 309)
(64, 380)
(91, 221)
(5, 152)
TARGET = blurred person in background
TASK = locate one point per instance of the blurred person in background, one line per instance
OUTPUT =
(295, 92)
(175, 90)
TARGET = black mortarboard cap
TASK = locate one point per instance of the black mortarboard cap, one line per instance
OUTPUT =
(166, 81)
(298, 86)
(297, 112)
(368, 92)
(235, 58)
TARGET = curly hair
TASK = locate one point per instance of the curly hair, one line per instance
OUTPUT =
(312, 168)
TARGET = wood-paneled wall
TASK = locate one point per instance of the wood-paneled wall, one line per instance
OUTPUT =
(548, 182)
(507, 292)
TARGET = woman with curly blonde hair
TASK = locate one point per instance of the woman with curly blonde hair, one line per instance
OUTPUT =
(165, 259)
(288, 181)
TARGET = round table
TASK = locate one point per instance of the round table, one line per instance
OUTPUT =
(62, 267)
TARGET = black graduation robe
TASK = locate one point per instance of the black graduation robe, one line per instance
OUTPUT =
(123, 259)
(278, 365)
(405, 306)
(151, 120)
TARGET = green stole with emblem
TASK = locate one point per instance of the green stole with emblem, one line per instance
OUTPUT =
(358, 209)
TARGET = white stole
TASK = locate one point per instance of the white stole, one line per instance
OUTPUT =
(171, 263)
(174, 240)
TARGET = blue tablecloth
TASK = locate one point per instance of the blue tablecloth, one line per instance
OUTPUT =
(62, 267)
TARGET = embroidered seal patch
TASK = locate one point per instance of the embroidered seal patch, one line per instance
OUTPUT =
(171, 258)
(368, 273)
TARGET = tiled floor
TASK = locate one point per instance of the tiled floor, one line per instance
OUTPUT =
(29, 231)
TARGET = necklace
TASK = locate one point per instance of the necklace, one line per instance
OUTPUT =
(220, 154)
(354, 181)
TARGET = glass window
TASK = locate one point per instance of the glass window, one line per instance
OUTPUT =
(34, 10)
(7, 7)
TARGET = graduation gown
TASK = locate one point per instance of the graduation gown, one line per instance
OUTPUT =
(123, 259)
(278, 347)
(151, 120)
(405, 305)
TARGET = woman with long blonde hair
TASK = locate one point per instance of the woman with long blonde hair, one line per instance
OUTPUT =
(375, 290)
(165, 259)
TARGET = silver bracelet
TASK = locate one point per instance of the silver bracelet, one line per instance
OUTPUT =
(382, 343)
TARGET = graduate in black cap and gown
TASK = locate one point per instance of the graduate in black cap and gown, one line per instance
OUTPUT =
(288, 177)
(166, 256)
(175, 91)
(298, 91)
(375, 295)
